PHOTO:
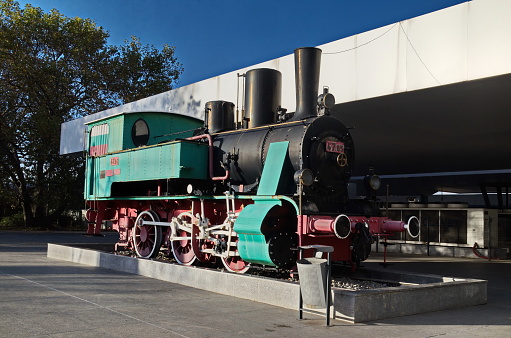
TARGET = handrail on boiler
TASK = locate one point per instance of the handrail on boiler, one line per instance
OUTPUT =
(210, 162)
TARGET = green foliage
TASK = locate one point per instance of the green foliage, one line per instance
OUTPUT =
(8, 200)
(143, 70)
(12, 222)
(53, 69)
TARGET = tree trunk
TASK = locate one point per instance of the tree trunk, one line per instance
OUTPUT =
(26, 204)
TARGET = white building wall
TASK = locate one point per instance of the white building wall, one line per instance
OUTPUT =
(460, 43)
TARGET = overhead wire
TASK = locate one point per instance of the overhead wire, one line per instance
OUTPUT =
(416, 53)
(379, 36)
(368, 42)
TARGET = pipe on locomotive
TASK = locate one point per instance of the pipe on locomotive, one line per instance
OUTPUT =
(343, 225)
(210, 161)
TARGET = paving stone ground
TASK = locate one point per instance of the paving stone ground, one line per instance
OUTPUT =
(42, 297)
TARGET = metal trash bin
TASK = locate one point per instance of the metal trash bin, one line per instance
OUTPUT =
(315, 281)
(313, 275)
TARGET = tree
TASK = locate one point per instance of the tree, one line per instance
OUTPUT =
(142, 71)
(53, 69)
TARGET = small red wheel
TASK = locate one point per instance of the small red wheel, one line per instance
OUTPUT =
(147, 238)
(199, 244)
(235, 264)
(182, 249)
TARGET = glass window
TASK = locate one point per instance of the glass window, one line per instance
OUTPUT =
(430, 226)
(140, 133)
(99, 137)
(100, 129)
(453, 226)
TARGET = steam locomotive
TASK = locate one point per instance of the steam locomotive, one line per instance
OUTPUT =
(237, 192)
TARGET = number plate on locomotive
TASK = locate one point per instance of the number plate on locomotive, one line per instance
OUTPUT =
(335, 147)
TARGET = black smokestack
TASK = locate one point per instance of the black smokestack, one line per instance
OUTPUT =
(307, 66)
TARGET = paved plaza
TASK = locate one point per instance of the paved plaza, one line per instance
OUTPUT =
(42, 297)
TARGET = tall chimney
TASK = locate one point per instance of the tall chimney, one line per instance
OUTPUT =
(307, 66)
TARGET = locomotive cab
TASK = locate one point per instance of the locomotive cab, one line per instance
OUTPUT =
(129, 153)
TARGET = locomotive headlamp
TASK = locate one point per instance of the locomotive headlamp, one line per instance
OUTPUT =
(372, 182)
(326, 101)
(304, 176)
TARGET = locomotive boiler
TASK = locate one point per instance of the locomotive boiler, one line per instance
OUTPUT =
(236, 192)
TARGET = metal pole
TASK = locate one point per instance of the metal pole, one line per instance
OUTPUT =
(489, 239)
(387, 201)
(328, 289)
(300, 192)
(427, 235)
(300, 304)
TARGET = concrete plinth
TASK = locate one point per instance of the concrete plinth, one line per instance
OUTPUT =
(418, 294)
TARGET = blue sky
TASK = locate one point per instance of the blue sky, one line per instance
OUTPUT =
(216, 37)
